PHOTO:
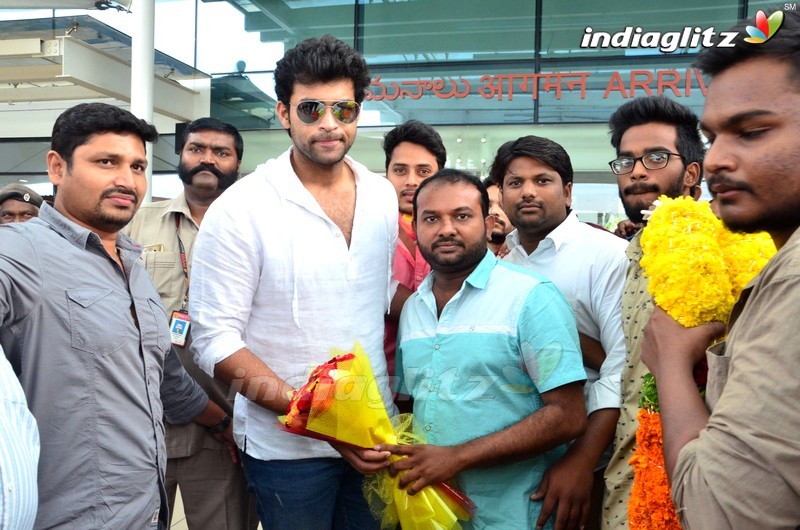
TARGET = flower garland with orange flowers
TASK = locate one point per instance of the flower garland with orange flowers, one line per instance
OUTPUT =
(696, 270)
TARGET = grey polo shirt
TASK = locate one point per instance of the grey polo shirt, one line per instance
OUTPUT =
(90, 344)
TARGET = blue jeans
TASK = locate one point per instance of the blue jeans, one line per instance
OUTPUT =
(308, 494)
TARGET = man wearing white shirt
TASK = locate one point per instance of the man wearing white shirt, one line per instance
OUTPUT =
(291, 261)
(588, 266)
(19, 453)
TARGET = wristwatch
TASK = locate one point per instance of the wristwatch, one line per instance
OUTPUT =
(220, 427)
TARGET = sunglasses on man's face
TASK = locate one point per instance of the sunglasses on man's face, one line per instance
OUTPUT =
(311, 111)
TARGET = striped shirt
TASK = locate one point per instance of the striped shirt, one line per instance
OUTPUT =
(19, 453)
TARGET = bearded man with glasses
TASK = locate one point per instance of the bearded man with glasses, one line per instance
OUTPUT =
(659, 152)
(291, 261)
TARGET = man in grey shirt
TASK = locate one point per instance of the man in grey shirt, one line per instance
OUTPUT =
(85, 331)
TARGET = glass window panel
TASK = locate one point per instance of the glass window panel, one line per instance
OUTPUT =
(486, 94)
(422, 31)
(450, 95)
(598, 203)
(610, 85)
(245, 100)
(227, 42)
(174, 28)
(564, 23)
(291, 21)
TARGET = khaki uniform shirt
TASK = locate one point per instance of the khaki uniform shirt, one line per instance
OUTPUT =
(743, 471)
(154, 227)
(637, 306)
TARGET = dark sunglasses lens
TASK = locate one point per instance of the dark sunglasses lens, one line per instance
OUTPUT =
(310, 111)
(346, 111)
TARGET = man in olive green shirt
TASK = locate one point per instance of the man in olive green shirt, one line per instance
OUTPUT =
(659, 151)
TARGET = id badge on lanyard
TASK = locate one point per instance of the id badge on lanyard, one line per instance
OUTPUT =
(179, 327)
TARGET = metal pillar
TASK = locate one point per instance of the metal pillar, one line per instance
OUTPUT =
(142, 72)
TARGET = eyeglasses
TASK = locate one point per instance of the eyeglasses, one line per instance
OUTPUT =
(311, 111)
(655, 160)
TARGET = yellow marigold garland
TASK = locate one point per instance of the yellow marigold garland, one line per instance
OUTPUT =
(745, 256)
(695, 266)
(696, 269)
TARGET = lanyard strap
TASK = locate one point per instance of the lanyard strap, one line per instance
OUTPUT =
(182, 250)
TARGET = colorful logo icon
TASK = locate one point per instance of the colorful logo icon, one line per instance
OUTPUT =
(765, 27)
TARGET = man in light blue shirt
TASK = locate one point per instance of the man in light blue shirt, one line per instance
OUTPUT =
(490, 354)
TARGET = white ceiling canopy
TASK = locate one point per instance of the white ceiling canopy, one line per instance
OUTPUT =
(48, 65)
(64, 4)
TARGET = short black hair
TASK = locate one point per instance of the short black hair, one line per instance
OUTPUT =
(77, 124)
(783, 46)
(320, 60)
(661, 109)
(544, 150)
(415, 132)
(490, 181)
(212, 124)
(453, 176)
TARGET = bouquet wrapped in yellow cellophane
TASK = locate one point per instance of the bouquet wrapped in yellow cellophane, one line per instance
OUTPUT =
(342, 403)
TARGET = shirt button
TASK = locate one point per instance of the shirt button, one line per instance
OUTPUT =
(428, 427)
(431, 388)
(337, 234)
(435, 346)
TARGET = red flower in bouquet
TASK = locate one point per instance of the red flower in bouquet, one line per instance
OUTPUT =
(318, 393)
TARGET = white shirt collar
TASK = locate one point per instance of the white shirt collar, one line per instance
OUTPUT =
(557, 237)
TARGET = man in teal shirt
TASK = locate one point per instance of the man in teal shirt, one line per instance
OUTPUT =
(489, 352)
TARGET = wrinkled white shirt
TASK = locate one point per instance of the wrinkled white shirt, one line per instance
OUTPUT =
(19, 453)
(271, 272)
(588, 266)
